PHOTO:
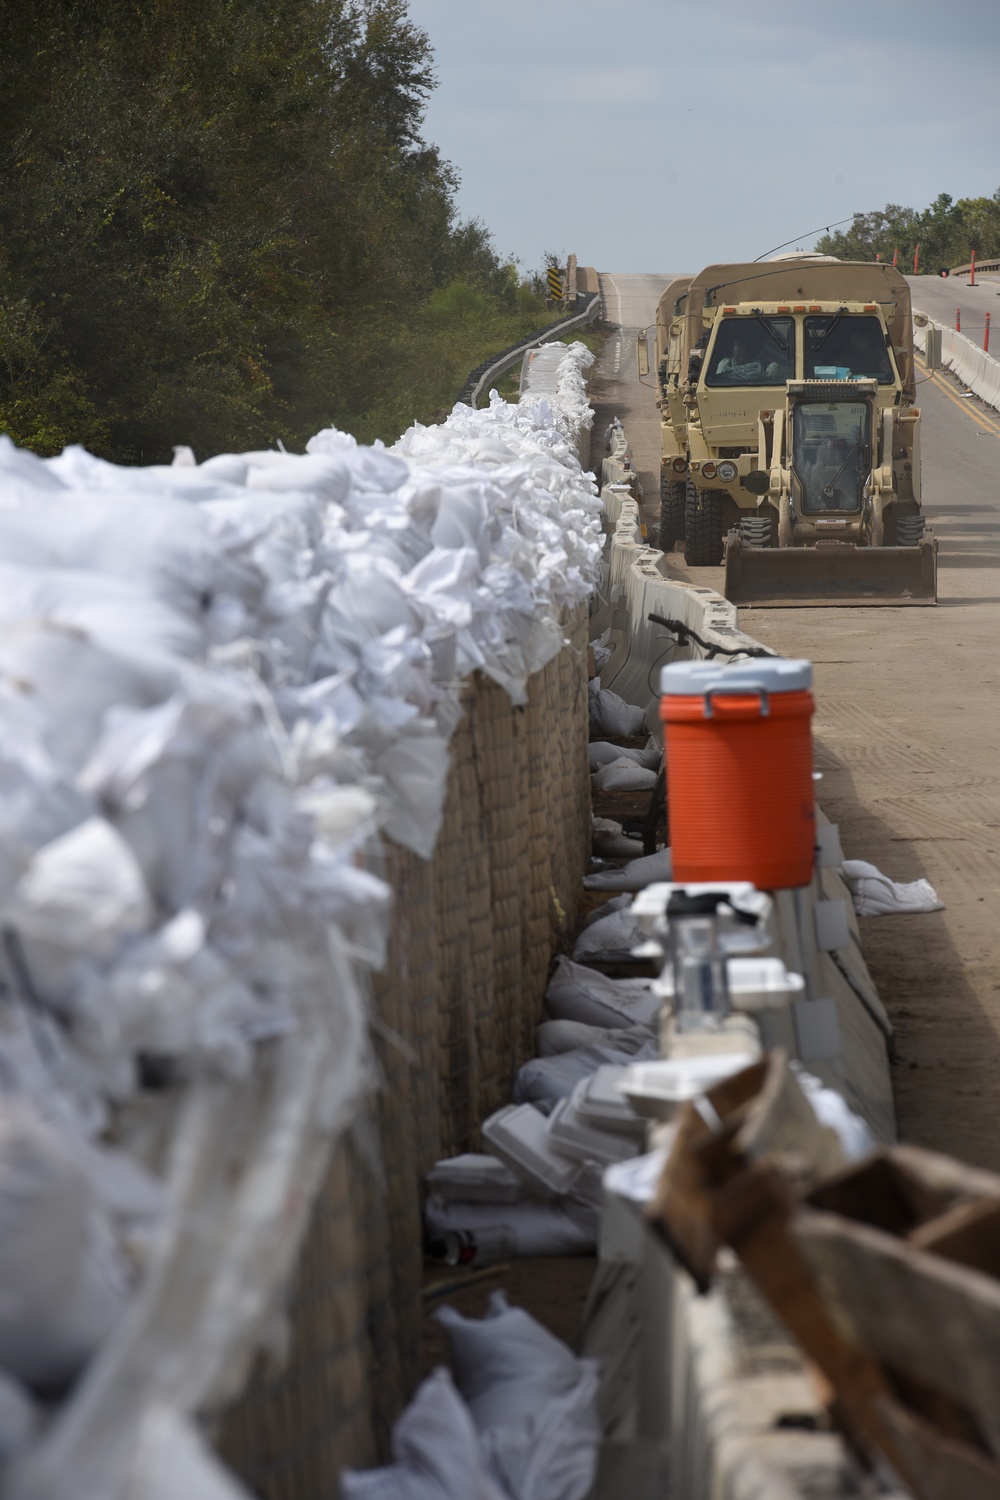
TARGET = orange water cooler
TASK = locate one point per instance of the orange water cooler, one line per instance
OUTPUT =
(738, 745)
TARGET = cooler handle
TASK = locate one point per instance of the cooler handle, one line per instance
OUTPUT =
(738, 691)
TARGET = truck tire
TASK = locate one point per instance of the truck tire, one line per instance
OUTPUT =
(703, 527)
(673, 499)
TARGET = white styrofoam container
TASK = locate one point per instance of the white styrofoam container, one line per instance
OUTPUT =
(518, 1135)
(474, 1178)
(571, 1133)
(600, 1102)
(654, 1089)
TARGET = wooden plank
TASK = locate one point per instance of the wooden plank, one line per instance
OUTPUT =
(929, 1318)
(949, 1470)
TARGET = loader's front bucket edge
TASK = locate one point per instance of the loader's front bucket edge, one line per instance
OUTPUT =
(828, 576)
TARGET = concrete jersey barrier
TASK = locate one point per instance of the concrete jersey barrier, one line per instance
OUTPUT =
(973, 366)
(709, 1380)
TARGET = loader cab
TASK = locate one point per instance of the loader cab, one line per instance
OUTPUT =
(831, 430)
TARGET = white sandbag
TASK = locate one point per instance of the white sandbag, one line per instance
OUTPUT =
(325, 476)
(611, 844)
(74, 681)
(165, 1458)
(436, 1450)
(19, 1417)
(636, 875)
(83, 891)
(610, 714)
(416, 770)
(577, 993)
(602, 651)
(38, 801)
(63, 1284)
(875, 895)
(830, 1108)
(162, 542)
(553, 1037)
(532, 1401)
(612, 932)
(602, 753)
(474, 1178)
(506, 1362)
(529, 1227)
(553, 1455)
(616, 903)
(545, 1080)
(115, 613)
(623, 776)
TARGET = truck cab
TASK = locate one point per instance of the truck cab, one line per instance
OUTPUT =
(831, 342)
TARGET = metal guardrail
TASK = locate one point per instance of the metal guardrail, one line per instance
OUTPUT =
(981, 265)
(480, 379)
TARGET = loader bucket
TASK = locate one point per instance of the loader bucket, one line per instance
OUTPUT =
(797, 577)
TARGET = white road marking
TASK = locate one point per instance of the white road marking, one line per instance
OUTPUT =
(618, 321)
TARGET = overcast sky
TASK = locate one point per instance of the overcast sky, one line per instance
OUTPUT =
(650, 135)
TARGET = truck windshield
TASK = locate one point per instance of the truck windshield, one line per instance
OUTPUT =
(752, 351)
(831, 454)
(846, 346)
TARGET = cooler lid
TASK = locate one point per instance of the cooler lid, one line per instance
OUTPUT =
(692, 679)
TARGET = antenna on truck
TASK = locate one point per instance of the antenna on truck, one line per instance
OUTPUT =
(825, 227)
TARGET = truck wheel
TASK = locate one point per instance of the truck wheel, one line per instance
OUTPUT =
(703, 527)
(673, 495)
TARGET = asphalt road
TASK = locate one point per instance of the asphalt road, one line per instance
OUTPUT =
(908, 740)
(939, 296)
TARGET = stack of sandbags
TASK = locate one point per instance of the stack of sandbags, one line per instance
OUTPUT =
(219, 683)
(522, 1424)
(537, 1190)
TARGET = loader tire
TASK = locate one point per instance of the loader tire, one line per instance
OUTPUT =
(703, 540)
(878, 529)
(673, 500)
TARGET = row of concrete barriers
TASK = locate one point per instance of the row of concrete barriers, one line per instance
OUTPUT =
(973, 366)
(712, 1380)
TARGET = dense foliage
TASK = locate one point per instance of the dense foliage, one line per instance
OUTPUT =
(947, 232)
(220, 226)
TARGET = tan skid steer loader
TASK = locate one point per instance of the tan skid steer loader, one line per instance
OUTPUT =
(840, 520)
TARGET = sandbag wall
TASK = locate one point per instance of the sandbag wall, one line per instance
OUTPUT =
(455, 1009)
(280, 739)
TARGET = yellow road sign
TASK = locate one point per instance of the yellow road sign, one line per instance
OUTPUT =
(555, 284)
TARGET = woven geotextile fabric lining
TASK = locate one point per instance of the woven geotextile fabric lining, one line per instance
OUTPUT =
(293, 1431)
(453, 1016)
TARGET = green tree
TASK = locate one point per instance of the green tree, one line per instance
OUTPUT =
(217, 217)
(946, 231)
